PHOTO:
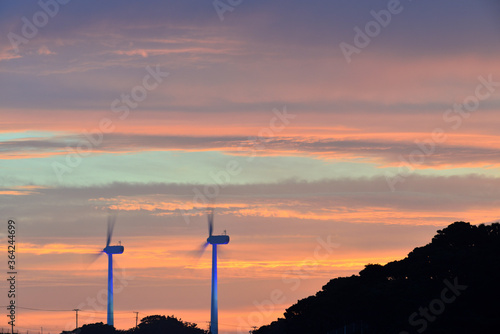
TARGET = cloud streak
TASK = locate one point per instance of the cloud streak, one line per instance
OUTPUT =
(466, 152)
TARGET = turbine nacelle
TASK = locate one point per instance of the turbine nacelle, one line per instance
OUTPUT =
(218, 239)
(113, 249)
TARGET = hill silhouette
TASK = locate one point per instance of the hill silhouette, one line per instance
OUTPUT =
(451, 285)
(158, 324)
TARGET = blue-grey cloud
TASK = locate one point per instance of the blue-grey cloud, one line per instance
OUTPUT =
(420, 153)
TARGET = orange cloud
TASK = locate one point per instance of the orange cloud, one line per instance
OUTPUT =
(22, 190)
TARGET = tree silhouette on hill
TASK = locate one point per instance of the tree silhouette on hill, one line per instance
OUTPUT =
(153, 324)
(161, 324)
(448, 286)
(97, 328)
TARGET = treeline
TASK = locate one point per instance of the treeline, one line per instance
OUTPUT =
(154, 324)
(451, 285)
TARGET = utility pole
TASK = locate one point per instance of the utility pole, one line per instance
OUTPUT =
(136, 318)
(76, 310)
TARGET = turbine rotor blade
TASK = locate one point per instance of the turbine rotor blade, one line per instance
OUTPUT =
(198, 253)
(223, 253)
(210, 217)
(111, 226)
(95, 256)
(89, 258)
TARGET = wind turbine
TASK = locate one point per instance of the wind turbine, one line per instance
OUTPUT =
(110, 250)
(214, 240)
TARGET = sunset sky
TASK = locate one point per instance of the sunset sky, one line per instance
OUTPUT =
(326, 134)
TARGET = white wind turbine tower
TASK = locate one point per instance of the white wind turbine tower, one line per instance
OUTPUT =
(214, 240)
(110, 250)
